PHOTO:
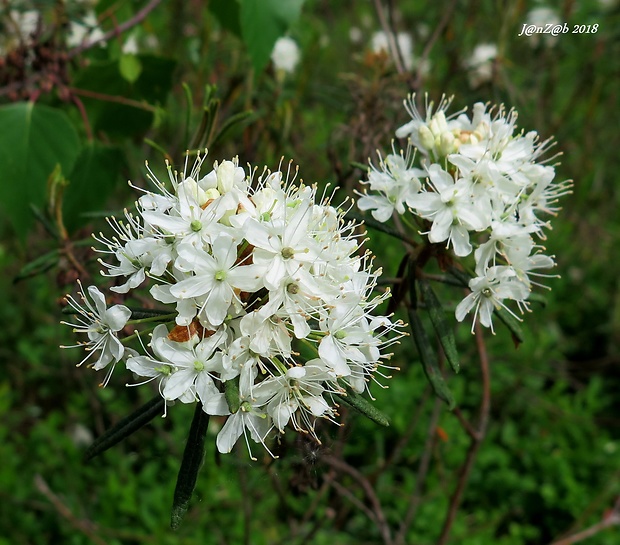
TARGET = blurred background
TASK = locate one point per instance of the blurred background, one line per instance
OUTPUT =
(90, 90)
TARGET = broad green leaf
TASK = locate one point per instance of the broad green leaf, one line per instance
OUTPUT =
(227, 13)
(130, 67)
(34, 139)
(120, 108)
(125, 427)
(429, 359)
(193, 456)
(442, 328)
(95, 174)
(262, 23)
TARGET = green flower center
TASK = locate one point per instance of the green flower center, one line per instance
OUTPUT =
(287, 252)
(195, 226)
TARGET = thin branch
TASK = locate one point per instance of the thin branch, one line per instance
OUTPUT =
(431, 42)
(391, 38)
(86, 527)
(379, 517)
(465, 423)
(402, 443)
(117, 31)
(607, 522)
(416, 495)
(343, 491)
(112, 98)
(476, 441)
(611, 519)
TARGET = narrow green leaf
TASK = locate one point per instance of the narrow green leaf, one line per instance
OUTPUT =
(361, 166)
(231, 393)
(136, 313)
(38, 265)
(125, 427)
(374, 224)
(233, 120)
(442, 327)
(461, 276)
(362, 405)
(190, 466)
(188, 112)
(511, 323)
(429, 359)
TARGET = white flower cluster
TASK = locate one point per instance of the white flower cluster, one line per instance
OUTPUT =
(274, 304)
(481, 189)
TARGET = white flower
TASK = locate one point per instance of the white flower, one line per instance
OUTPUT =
(489, 291)
(285, 54)
(452, 209)
(259, 273)
(249, 417)
(101, 324)
(397, 183)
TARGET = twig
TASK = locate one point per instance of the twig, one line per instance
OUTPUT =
(343, 491)
(380, 520)
(112, 98)
(476, 441)
(465, 424)
(612, 519)
(392, 42)
(245, 500)
(137, 18)
(402, 443)
(416, 495)
(327, 483)
(431, 42)
(87, 527)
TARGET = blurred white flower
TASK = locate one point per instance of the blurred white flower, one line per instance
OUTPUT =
(380, 43)
(130, 47)
(285, 54)
(480, 64)
(355, 35)
(541, 17)
(85, 31)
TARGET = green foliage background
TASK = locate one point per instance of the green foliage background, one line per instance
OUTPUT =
(550, 462)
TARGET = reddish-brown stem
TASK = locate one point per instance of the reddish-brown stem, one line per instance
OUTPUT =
(377, 511)
(112, 98)
(137, 18)
(477, 436)
(80, 106)
(86, 527)
(431, 42)
(416, 495)
(612, 519)
(391, 38)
